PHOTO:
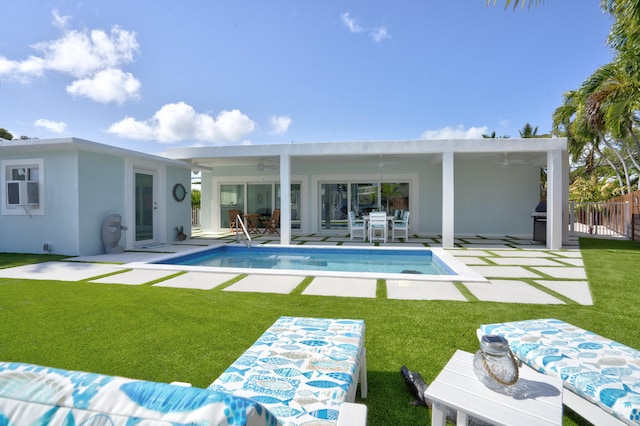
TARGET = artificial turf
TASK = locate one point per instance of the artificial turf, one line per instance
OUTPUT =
(167, 334)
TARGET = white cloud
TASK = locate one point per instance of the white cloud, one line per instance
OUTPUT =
(279, 124)
(111, 85)
(350, 23)
(380, 34)
(53, 126)
(93, 58)
(179, 121)
(376, 34)
(60, 21)
(457, 132)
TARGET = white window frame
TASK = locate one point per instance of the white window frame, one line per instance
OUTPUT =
(27, 210)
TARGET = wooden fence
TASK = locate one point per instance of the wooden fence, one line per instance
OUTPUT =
(195, 216)
(634, 212)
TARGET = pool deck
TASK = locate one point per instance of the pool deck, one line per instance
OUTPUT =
(518, 272)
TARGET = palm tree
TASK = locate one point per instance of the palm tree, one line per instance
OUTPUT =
(528, 131)
(518, 2)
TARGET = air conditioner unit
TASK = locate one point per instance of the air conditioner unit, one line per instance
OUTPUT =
(22, 193)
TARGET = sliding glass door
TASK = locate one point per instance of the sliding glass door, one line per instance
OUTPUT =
(338, 199)
(257, 198)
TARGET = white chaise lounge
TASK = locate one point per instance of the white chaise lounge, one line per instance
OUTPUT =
(601, 377)
(304, 371)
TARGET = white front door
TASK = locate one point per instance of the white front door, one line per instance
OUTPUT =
(146, 207)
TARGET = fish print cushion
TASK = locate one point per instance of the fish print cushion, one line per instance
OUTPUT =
(600, 370)
(301, 369)
(36, 395)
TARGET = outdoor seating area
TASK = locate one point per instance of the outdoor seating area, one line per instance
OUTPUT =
(378, 226)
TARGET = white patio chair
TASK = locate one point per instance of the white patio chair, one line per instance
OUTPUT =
(400, 227)
(356, 227)
(378, 226)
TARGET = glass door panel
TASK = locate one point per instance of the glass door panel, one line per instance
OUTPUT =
(334, 201)
(296, 218)
(231, 198)
(364, 198)
(145, 207)
(394, 196)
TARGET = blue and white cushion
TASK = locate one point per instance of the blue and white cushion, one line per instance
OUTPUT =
(36, 395)
(600, 370)
(301, 369)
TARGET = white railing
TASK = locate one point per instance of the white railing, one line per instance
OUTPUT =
(606, 219)
(240, 224)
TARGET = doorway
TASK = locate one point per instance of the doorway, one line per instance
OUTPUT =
(146, 207)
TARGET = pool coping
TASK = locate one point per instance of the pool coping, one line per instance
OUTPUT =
(463, 272)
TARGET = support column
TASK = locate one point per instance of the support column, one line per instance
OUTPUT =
(285, 199)
(447, 200)
(555, 192)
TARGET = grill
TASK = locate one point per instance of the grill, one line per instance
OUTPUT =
(539, 215)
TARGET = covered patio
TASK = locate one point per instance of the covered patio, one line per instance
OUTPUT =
(453, 188)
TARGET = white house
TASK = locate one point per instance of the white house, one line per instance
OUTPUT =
(56, 193)
(452, 187)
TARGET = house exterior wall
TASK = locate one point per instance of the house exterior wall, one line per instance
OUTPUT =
(83, 182)
(101, 193)
(491, 200)
(178, 212)
(58, 225)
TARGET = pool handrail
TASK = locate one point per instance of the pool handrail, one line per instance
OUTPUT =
(247, 240)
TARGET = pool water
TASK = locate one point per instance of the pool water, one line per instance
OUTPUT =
(406, 261)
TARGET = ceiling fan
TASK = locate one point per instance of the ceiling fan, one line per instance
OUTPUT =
(506, 162)
(382, 163)
(261, 166)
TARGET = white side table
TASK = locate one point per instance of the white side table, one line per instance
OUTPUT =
(537, 398)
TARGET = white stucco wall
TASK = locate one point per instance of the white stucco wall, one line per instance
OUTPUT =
(491, 200)
(59, 223)
(100, 188)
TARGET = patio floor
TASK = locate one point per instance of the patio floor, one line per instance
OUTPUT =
(518, 272)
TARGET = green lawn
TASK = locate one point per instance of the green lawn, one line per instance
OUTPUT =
(167, 334)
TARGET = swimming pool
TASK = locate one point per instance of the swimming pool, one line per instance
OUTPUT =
(385, 263)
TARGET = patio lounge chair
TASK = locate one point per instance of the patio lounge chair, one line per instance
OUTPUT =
(400, 227)
(304, 371)
(271, 226)
(357, 227)
(378, 226)
(598, 373)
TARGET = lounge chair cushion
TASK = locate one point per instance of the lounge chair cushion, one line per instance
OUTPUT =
(301, 369)
(598, 369)
(35, 395)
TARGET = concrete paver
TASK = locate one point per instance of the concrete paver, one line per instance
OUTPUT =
(344, 287)
(504, 272)
(197, 280)
(563, 272)
(62, 271)
(282, 284)
(134, 277)
(511, 291)
(420, 290)
(575, 290)
(524, 261)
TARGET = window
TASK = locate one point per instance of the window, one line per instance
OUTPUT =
(22, 187)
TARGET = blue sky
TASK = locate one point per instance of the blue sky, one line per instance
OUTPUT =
(153, 74)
